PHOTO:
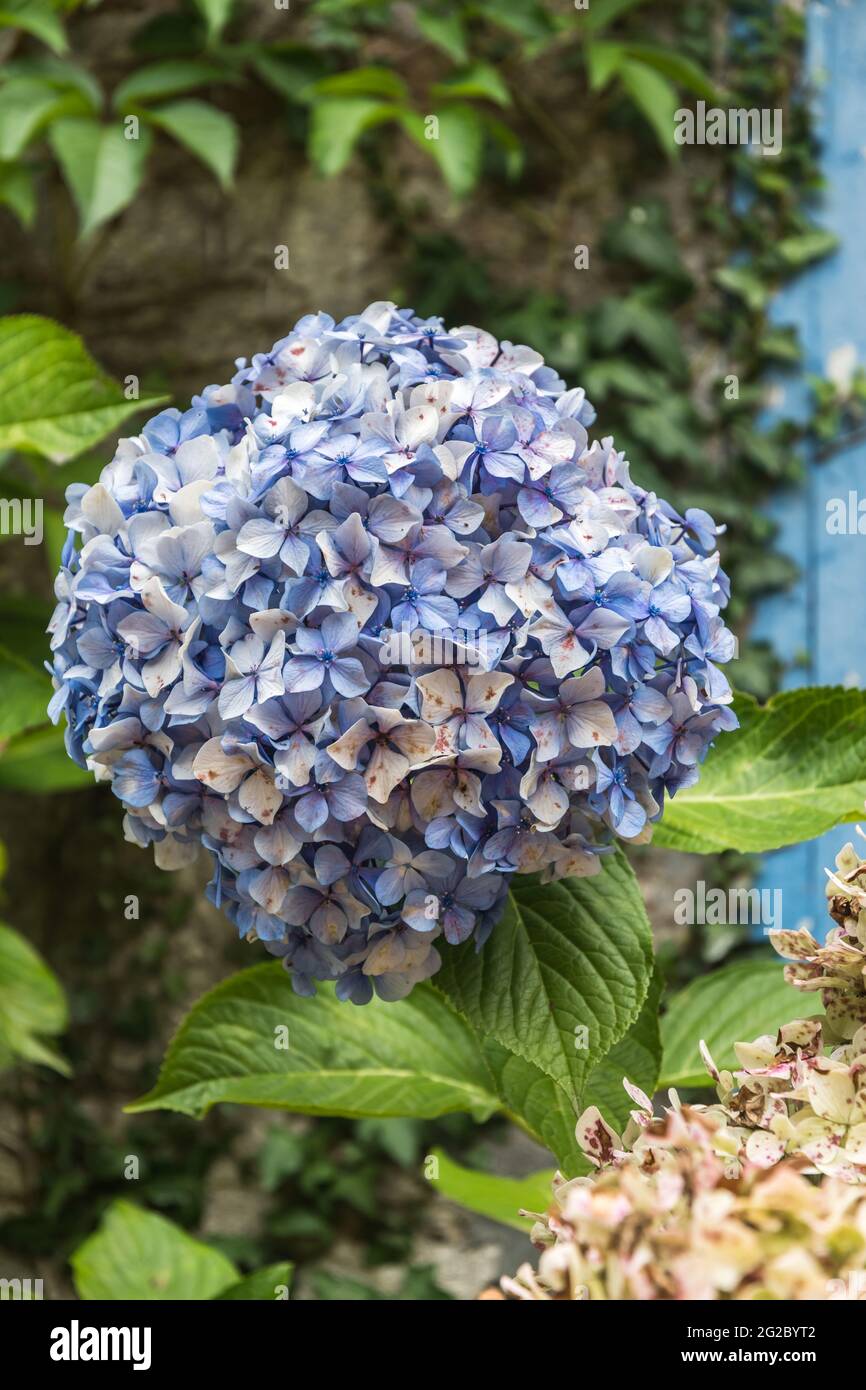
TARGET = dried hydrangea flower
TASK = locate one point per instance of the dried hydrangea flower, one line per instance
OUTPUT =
(379, 627)
(671, 1214)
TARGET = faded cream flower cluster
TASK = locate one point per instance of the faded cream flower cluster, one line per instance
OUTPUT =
(760, 1195)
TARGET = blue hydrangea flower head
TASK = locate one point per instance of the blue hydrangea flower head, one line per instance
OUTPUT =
(378, 626)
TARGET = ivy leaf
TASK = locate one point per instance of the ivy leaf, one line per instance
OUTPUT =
(216, 14)
(744, 285)
(459, 148)
(655, 97)
(54, 399)
(207, 133)
(807, 247)
(601, 13)
(676, 66)
(137, 1256)
(368, 81)
(603, 60)
(481, 81)
(445, 31)
(564, 974)
(18, 192)
(32, 1004)
(157, 81)
(36, 17)
(795, 768)
(488, 1194)
(337, 125)
(27, 106)
(738, 1003)
(102, 169)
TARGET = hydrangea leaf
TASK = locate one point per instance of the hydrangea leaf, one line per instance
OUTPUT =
(563, 975)
(637, 1057)
(738, 1003)
(36, 761)
(102, 168)
(416, 1058)
(138, 1256)
(32, 1004)
(795, 768)
(24, 695)
(207, 133)
(489, 1194)
(54, 399)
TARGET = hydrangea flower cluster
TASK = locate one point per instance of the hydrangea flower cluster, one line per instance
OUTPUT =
(668, 1216)
(379, 627)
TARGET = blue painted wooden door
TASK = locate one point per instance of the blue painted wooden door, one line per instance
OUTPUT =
(822, 618)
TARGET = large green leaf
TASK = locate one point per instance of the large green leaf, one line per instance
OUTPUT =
(416, 1058)
(32, 1004)
(564, 974)
(738, 1003)
(36, 762)
(795, 768)
(102, 168)
(54, 399)
(24, 695)
(636, 1057)
(488, 1194)
(137, 1256)
(207, 133)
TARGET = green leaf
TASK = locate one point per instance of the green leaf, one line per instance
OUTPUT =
(601, 13)
(27, 106)
(487, 1194)
(445, 31)
(564, 974)
(137, 1256)
(207, 133)
(655, 97)
(795, 768)
(481, 81)
(37, 762)
(745, 285)
(808, 246)
(735, 1004)
(267, 1285)
(459, 148)
(159, 80)
(216, 14)
(337, 125)
(24, 695)
(637, 1056)
(36, 17)
(54, 399)
(18, 192)
(680, 69)
(102, 169)
(603, 60)
(32, 1004)
(367, 82)
(416, 1058)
